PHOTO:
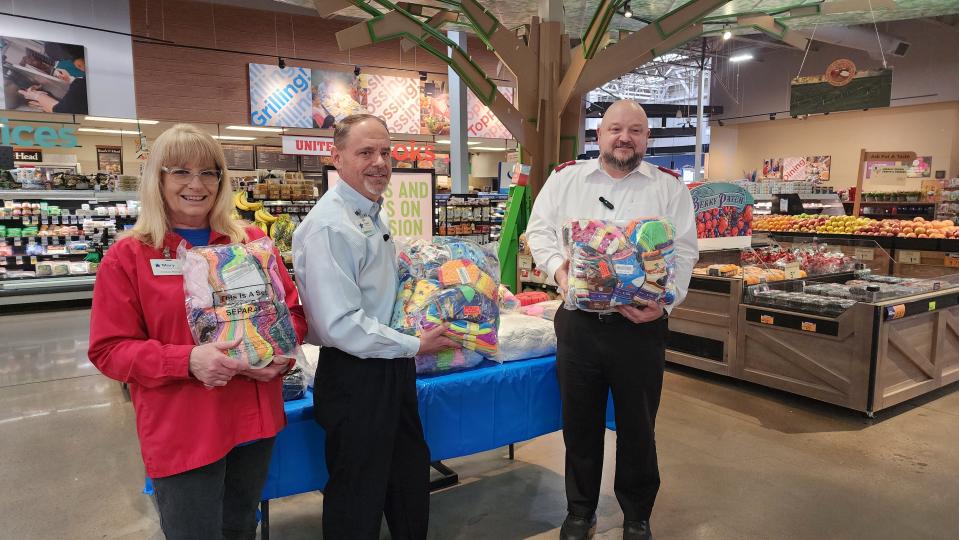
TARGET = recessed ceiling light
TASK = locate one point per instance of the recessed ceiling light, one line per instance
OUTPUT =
(740, 58)
(489, 149)
(120, 120)
(233, 138)
(255, 128)
(113, 131)
(446, 141)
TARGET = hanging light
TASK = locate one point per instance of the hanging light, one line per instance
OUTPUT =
(727, 35)
(280, 63)
(628, 13)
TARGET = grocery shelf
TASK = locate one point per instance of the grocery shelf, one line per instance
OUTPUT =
(68, 195)
(58, 289)
(899, 203)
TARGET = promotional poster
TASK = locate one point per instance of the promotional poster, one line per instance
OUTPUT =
(43, 76)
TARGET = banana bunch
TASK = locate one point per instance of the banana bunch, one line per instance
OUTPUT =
(265, 216)
(242, 203)
(263, 219)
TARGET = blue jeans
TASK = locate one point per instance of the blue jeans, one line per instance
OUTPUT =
(218, 500)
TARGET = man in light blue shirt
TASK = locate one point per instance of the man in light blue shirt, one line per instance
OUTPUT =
(365, 390)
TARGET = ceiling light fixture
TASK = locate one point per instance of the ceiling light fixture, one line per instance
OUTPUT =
(488, 149)
(280, 62)
(112, 131)
(120, 120)
(628, 13)
(233, 138)
(422, 75)
(356, 71)
(727, 35)
(772, 116)
(447, 141)
(256, 128)
(741, 57)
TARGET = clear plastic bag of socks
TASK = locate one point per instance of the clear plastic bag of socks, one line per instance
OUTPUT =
(616, 263)
(452, 281)
(235, 291)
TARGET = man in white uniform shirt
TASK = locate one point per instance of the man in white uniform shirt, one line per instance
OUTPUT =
(624, 350)
(365, 390)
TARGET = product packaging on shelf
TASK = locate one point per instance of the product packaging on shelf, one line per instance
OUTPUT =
(234, 291)
(615, 263)
(450, 281)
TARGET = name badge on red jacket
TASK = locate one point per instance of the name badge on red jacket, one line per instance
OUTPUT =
(166, 267)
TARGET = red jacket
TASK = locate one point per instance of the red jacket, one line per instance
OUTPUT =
(139, 335)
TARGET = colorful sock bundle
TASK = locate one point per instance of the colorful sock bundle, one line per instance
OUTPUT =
(454, 282)
(619, 263)
(235, 291)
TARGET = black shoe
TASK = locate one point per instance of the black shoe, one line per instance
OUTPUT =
(578, 528)
(637, 530)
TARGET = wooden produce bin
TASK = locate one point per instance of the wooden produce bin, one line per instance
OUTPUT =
(702, 330)
(839, 361)
(818, 357)
(922, 263)
(919, 352)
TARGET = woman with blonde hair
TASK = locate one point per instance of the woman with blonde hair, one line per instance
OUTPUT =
(205, 421)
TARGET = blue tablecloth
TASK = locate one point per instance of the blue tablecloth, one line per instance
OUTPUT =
(463, 413)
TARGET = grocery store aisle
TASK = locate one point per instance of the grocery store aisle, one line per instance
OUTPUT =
(738, 462)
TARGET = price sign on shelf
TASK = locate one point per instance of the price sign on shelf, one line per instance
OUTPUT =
(792, 271)
(865, 254)
(951, 260)
(910, 257)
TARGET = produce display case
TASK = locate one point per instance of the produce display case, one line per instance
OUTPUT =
(864, 340)
(704, 328)
(48, 239)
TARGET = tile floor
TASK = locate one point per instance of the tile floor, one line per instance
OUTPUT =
(738, 462)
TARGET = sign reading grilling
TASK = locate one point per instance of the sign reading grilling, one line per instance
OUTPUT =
(31, 156)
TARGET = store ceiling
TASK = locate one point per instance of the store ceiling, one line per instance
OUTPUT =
(513, 13)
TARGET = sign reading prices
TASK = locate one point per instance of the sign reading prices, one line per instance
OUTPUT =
(407, 203)
(280, 97)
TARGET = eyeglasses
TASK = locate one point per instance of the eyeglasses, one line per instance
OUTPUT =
(182, 176)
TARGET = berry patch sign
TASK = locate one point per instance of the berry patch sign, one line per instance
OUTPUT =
(724, 215)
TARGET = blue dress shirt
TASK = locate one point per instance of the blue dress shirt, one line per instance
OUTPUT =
(345, 265)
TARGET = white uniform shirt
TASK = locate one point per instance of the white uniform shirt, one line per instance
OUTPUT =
(574, 192)
(345, 264)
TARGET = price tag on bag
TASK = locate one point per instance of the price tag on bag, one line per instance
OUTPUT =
(865, 254)
(793, 271)
(910, 257)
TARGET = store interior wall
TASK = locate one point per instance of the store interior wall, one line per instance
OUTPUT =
(755, 88)
(86, 152)
(750, 91)
(109, 57)
(486, 164)
(192, 85)
(929, 130)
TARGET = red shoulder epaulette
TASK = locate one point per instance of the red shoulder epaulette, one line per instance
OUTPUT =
(562, 166)
(668, 171)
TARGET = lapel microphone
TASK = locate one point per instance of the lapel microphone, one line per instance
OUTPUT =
(386, 237)
(606, 203)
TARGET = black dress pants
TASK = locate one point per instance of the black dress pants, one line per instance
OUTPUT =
(375, 450)
(218, 500)
(595, 355)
